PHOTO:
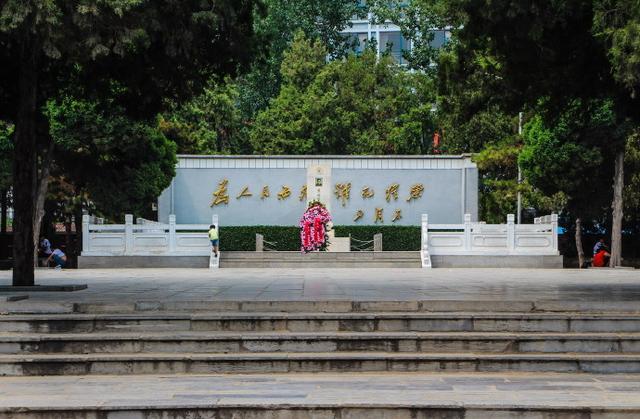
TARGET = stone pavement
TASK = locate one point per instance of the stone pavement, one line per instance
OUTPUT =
(361, 299)
(506, 390)
(130, 285)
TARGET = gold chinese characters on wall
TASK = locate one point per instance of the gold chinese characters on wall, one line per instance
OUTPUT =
(367, 192)
(284, 193)
(220, 195)
(342, 192)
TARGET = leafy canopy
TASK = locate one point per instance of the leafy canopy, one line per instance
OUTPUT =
(358, 105)
(121, 165)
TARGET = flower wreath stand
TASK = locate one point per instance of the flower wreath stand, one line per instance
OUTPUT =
(314, 228)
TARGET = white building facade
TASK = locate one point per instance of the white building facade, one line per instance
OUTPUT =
(388, 37)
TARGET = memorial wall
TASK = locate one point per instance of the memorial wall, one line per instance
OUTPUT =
(359, 190)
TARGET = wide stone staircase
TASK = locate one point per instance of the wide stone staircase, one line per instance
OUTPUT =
(199, 341)
(318, 337)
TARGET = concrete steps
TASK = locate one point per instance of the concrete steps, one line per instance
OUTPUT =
(312, 362)
(103, 346)
(395, 342)
(324, 260)
(319, 336)
(356, 341)
(239, 259)
(336, 306)
(322, 322)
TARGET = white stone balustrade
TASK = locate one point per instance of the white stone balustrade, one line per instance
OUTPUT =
(538, 239)
(146, 238)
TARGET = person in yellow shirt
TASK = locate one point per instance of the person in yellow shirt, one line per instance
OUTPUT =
(213, 236)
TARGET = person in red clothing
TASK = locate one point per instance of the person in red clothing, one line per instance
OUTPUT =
(600, 254)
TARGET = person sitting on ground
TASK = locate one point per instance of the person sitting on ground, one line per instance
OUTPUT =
(45, 246)
(59, 258)
(213, 236)
(601, 254)
(600, 245)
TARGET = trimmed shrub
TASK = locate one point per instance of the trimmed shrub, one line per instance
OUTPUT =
(243, 238)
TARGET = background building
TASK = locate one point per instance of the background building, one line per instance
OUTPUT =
(387, 36)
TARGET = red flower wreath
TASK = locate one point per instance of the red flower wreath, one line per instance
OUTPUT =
(313, 227)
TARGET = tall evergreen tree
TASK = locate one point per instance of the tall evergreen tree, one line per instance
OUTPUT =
(153, 49)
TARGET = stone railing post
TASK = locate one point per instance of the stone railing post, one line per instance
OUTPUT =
(425, 232)
(259, 243)
(128, 234)
(85, 233)
(467, 232)
(511, 233)
(554, 231)
(172, 233)
(377, 242)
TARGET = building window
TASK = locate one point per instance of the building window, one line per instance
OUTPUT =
(440, 37)
(394, 44)
(357, 42)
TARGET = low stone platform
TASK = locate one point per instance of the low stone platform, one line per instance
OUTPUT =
(320, 260)
(398, 395)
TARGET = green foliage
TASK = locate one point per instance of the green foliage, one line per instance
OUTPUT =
(467, 132)
(123, 165)
(320, 20)
(617, 23)
(236, 238)
(303, 61)
(6, 154)
(498, 165)
(155, 49)
(210, 123)
(358, 105)
(568, 156)
(632, 183)
(243, 238)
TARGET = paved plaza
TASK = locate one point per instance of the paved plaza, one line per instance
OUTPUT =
(560, 321)
(549, 391)
(131, 285)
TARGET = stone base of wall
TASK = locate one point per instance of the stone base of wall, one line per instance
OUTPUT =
(318, 260)
(476, 261)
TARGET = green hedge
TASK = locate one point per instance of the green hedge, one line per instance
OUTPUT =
(393, 237)
(244, 238)
(288, 238)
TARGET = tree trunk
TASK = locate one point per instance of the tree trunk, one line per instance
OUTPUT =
(40, 194)
(579, 247)
(616, 206)
(4, 243)
(4, 198)
(67, 238)
(77, 218)
(24, 166)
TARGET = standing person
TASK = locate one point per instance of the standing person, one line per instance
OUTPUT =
(59, 258)
(215, 239)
